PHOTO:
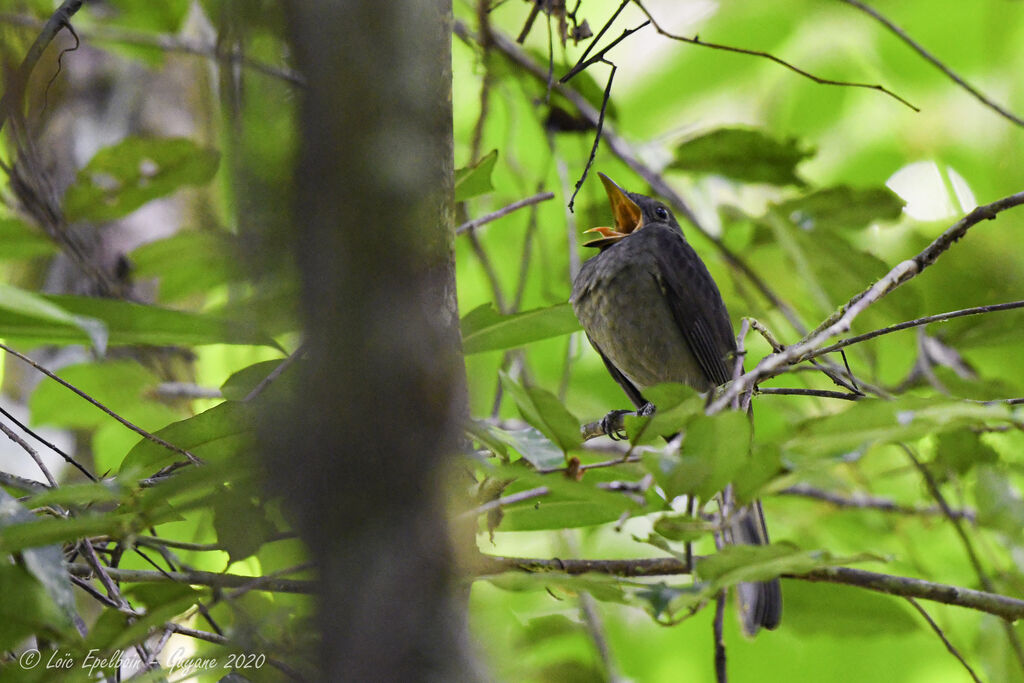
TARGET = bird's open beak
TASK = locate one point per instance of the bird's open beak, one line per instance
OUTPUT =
(628, 216)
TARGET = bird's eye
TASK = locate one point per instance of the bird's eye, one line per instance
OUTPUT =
(661, 212)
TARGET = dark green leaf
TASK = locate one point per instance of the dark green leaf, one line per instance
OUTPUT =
(56, 530)
(842, 207)
(474, 180)
(240, 522)
(27, 609)
(484, 329)
(542, 410)
(19, 241)
(962, 450)
(45, 563)
(120, 179)
(240, 384)
(722, 440)
(742, 154)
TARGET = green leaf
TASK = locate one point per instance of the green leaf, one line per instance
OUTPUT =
(21, 304)
(714, 448)
(22, 242)
(842, 207)
(540, 514)
(128, 324)
(544, 411)
(872, 421)
(474, 180)
(120, 179)
(742, 154)
(240, 384)
(27, 609)
(681, 527)
(120, 385)
(814, 609)
(533, 446)
(484, 329)
(45, 563)
(189, 262)
(213, 434)
(962, 450)
(240, 522)
(1000, 505)
(42, 532)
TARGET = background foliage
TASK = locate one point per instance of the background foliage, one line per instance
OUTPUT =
(132, 177)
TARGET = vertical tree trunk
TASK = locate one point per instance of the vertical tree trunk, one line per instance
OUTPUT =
(383, 391)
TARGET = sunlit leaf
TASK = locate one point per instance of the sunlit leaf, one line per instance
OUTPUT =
(474, 180)
(742, 154)
(544, 411)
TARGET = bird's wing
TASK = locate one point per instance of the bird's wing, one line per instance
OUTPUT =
(634, 394)
(696, 305)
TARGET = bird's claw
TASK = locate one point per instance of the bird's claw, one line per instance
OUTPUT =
(613, 424)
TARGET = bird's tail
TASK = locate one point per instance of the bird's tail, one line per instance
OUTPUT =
(760, 603)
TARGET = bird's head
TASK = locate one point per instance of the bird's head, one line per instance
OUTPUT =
(632, 212)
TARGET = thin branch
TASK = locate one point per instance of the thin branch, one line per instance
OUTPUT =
(600, 34)
(276, 372)
(766, 55)
(992, 603)
(597, 133)
(972, 555)
(529, 494)
(169, 43)
(31, 452)
(221, 640)
(942, 636)
(10, 103)
(185, 390)
(504, 211)
(820, 393)
(599, 57)
(21, 483)
(939, 317)
(196, 578)
(138, 430)
(67, 458)
(864, 502)
(934, 60)
(840, 321)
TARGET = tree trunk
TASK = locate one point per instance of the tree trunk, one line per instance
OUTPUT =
(383, 391)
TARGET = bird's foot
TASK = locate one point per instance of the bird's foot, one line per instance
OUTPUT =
(613, 424)
(647, 410)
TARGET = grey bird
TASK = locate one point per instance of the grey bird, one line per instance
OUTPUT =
(653, 312)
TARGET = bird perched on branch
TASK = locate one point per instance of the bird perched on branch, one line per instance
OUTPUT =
(653, 312)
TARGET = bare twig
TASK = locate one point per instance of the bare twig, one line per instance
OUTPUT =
(10, 103)
(939, 317)
(298, 353)
(138, 430)
(862, 501)
(599, 57)
(934, 61)
(820, 393)
(504, 211)
(945, 641)
(902, 586)
(67, 458)
(840, 321)
(766, 55)
(972, 555)
(505, 500)
(31, 452)
(597, 133)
